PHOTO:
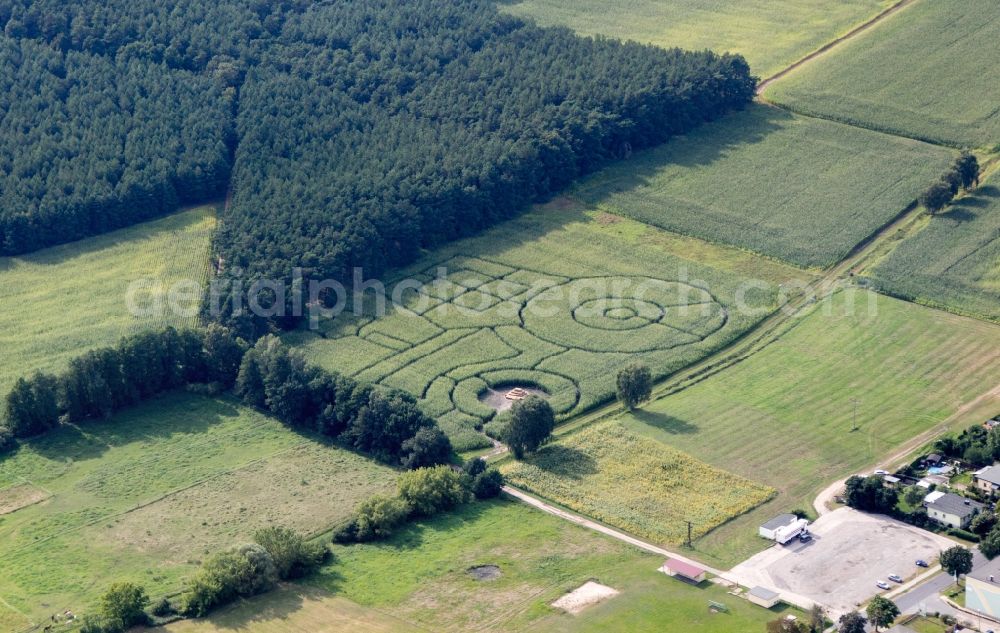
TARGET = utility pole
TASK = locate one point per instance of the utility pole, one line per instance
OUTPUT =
(854, 427)
(689, 535)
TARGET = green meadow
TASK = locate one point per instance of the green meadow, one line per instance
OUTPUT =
(146, 495)
(926, 72)
(799, 189)
(64, 300)
(757, 29)
(784, 416)
(954, 261)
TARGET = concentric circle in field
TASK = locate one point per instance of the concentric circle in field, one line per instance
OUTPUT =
(617, 313)
(561, 392)
(623, 314)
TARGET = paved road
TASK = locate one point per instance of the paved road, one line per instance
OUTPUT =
(926, 595)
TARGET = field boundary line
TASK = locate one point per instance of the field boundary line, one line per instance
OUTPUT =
(864, 26)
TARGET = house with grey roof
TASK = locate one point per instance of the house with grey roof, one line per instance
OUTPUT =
(987, 479)
(953, 510)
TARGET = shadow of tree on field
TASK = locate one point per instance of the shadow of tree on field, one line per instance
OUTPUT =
(967, 208)
(664, 422)
(960, 213)
(564, 461)
(701, 146)
(275, 606)
(186, 414)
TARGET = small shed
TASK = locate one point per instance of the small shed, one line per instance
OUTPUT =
(681, 569)
(891, 480)
(764, 597)
(933, 459)
(769, 529)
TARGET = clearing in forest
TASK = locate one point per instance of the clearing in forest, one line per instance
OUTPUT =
(150, 493)
(558, 299)
(73, 297)
(925, 72)
(757, 29)
(784, 416)
(771, 182)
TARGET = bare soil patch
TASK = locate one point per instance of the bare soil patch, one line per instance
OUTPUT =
(499, 400)
(587, 594)
(20, 496)
(485, 572)
(605, 219)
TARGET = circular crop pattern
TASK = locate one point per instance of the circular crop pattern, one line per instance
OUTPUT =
(617, 314)
(562, 392)
(623, 314)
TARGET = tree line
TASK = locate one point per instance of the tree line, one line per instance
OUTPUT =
(383, 423)
(278, 553)
(386, 424)
(423, 492)
(963, 174)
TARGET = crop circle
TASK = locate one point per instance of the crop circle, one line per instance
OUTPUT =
(623, 314)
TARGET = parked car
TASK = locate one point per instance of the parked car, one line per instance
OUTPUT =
(805, 537)
(881, 584)
(895, 578)
(922, 563)
(881, 472)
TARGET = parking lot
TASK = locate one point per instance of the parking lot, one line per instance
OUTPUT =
(849, 552)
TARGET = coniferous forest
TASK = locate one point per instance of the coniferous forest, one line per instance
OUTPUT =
(356, 133)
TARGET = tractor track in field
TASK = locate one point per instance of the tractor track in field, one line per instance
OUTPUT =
(819, 52)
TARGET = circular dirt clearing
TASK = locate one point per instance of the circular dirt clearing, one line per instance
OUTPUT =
(484, 572)
(496, 397)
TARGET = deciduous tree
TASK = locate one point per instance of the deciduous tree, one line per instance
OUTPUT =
(882, 612)
(957, 561)
(852, 622)
(635, 385)
(529, 426)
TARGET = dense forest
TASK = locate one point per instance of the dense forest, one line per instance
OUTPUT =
(364, 130)
(89, 144)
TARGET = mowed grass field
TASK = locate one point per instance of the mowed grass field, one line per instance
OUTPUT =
(70, 298)
(954, 261)
(926, 72)
(635, 483)
(757, 29)
(559, 298)
(783, 417)
(803, 190)
(148, 494)
(421, 577)
(419, 581)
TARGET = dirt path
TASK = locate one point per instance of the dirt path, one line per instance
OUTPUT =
(833, 43)
(603, 529)
(892, 462)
